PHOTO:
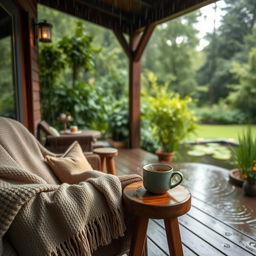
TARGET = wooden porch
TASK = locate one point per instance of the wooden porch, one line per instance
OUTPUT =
(222, 221)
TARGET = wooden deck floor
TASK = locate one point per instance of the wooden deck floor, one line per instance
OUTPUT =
(222, 221)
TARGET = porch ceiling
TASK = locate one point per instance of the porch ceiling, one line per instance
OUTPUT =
(126, 16)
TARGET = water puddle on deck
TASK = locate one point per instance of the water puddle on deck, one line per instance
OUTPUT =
(209, 185)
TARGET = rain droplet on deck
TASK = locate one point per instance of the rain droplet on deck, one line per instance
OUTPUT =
(228, 234)
(226, 245)
(253, 244)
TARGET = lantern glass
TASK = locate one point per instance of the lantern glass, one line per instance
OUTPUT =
(44, 32)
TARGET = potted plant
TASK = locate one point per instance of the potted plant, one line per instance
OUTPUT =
(170, 121)
(118, 124)
(245, 156)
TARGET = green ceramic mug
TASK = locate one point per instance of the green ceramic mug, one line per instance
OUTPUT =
(157, 178)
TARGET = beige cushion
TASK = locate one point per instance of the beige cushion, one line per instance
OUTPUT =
(70, 166)
(53, 131)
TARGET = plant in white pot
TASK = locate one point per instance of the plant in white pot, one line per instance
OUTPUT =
(170, 120)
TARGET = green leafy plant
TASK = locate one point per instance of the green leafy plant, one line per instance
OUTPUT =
(118, 120)
(82, 101)
(78, 51)
(59, 93)
(170, 118)
(51, 65)
(245, 155)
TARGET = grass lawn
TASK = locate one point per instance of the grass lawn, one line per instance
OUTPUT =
(220, 131)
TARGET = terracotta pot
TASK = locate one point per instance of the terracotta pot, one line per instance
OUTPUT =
(249, 188)
(165, 156)
(117, 144)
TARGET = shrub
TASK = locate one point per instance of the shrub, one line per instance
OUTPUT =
(170, 118)
(119, 120)
(220, 114)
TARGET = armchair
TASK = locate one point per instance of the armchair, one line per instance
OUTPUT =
(22, 163)
(58, 143)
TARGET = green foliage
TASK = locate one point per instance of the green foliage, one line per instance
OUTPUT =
(244, 96)
(51, 64)
(220, 114)
(230, 41)
(72, 100)
(169, 117)
(171, 54)
(113, 84)
(119, 120)
(82, 100)
(147, 141)
(245, 155)
(7, 91)
(78, 51)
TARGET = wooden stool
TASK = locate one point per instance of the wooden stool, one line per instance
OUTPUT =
(145, 205)
(106, 155)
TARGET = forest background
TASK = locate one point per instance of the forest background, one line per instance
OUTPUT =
(220, 78)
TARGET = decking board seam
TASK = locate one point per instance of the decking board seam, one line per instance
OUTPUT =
(219, 220)
(243, 248)
(237, 244)
(221, 252)
(157, 245)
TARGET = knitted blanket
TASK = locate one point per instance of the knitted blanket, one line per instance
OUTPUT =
(42, 217)
(61, 219)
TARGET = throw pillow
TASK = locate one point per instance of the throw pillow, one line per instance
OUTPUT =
(53, 131)
(71, 165)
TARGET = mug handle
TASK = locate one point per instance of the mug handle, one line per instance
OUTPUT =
(177, 183)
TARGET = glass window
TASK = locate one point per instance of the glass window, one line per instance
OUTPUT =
(7, 85)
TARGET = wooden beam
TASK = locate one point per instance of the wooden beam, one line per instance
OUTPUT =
(120, 37)
(134, 51)
(166, 10)
(146, 3)
(143, 41)
(106, 8)
(134, 95)
(78, 9)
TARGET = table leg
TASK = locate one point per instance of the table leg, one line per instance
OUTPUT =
(102, 163)
(173, 236)
(139, 236)
(111, 165)
(145, 248)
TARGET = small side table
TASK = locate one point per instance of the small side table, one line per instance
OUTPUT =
(107, 157)
(168, 206)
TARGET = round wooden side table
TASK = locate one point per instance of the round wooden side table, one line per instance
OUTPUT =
(168, 206)
(107, 157)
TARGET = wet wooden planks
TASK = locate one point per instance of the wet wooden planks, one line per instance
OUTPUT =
(221, 221)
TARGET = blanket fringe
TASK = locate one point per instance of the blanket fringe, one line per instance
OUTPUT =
(98, 232)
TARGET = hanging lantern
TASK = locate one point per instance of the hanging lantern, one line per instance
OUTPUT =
(44, 31)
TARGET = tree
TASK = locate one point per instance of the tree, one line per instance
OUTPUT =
(244, 96)
(170, 52)
(227, 43)
(78, 51)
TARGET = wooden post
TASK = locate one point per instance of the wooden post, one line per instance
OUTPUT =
(134, 94)
(134, 51)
